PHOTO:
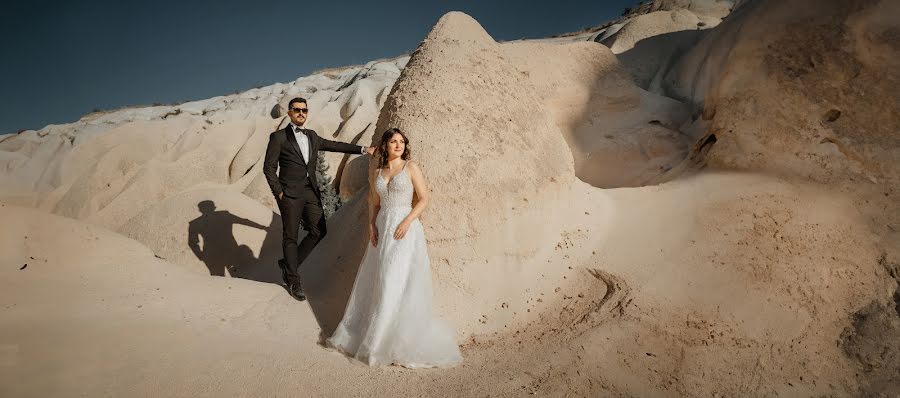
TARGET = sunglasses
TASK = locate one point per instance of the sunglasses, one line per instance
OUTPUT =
(300, 110)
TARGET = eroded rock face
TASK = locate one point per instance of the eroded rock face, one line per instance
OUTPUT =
(726, 282)
(874, 341)
(873, 338)
(143, 172)
(707, 8)
(78, 169)
(619, 134)
(800, 88)
(804, 90)
(649, 44)
(494, 160)
(651, 38)
(477, 127)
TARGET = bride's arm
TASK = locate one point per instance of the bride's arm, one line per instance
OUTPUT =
(374, 207)
(418, 181)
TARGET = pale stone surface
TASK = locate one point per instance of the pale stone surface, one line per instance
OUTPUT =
(771, 272)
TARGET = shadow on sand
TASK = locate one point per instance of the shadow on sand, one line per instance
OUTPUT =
(220, 251)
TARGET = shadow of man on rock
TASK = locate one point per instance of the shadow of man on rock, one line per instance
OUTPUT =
(330, 270)
(220, 250)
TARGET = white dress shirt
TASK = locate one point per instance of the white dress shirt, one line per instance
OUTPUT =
(302, 140)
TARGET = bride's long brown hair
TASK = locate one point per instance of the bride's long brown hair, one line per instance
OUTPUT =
(382, 147)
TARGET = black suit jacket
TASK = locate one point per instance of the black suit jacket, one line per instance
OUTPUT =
(284, 151)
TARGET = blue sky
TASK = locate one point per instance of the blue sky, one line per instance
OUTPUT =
(62, 59)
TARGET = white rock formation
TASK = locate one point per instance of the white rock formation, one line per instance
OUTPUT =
(771, 272)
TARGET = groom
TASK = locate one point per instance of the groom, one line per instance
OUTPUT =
(295, 149)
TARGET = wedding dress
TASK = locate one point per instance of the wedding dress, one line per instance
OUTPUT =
(389, 319)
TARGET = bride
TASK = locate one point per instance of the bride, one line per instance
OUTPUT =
(388, 319)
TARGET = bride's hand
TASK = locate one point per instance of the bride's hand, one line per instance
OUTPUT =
(401, 230)
(373, 235)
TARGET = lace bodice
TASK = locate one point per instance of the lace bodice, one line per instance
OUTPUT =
(397, 193)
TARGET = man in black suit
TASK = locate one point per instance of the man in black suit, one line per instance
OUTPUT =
(295, 149)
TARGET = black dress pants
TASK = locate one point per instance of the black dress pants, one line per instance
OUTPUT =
(306, 211)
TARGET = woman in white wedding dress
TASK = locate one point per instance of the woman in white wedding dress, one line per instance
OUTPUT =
(388, 319)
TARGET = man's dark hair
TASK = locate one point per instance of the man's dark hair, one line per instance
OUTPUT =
(295, 100)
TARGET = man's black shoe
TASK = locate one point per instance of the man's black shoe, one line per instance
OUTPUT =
(296, 291)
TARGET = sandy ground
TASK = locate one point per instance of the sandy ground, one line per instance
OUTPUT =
(665, 311)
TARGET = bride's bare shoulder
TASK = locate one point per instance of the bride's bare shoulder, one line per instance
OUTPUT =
(412, 165)
(415, 172)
